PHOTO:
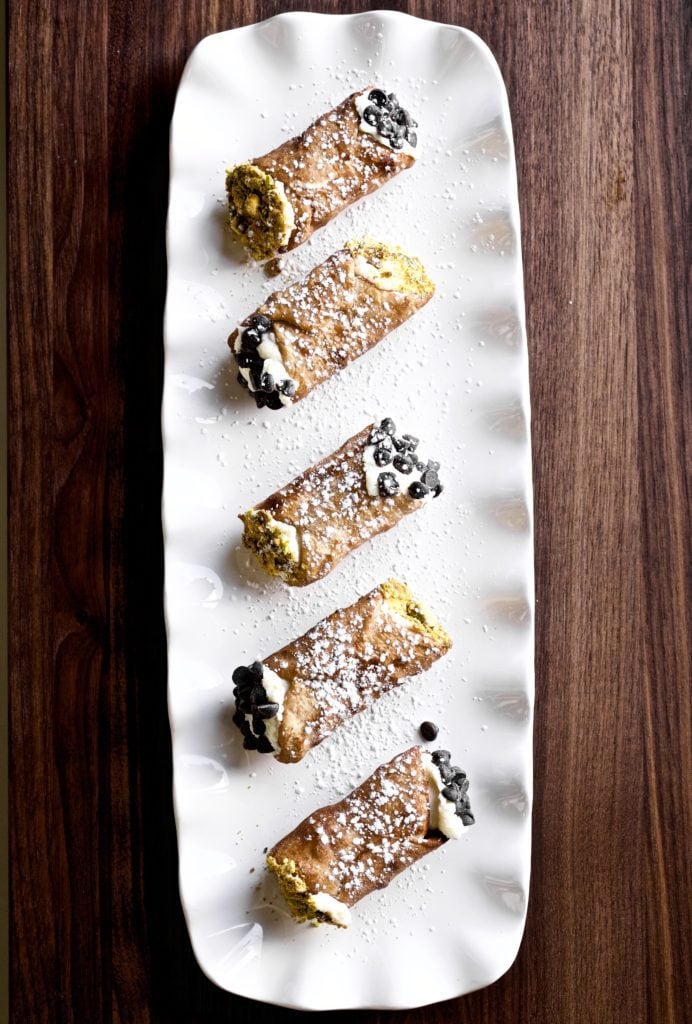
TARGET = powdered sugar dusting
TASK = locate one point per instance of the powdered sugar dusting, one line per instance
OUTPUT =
(344, 664)
(373, 834)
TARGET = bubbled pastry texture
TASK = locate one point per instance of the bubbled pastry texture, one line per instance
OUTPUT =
(331, 510)
(358, 845)
(335, 315)
(326, 168)
(349, 660)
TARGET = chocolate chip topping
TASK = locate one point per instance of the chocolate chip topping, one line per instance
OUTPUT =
(391, 121)
(456, 785)
(386, 441)
(251, 700)
(266, 389)
(388, 485)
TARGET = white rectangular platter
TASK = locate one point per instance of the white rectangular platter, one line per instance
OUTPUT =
(455, 375)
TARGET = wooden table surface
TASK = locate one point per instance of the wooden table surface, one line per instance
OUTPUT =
(596, 90)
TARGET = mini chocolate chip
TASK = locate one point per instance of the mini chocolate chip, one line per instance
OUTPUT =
(261, 323)
(387, 485)
(266, 382)
(463, 785)
(399, 444)
(397, 142)
(371, 115)
(241, 380)
(267, 710)
(250, 339)
(382, 456)
(273, 401)
(385, 128)
(245, 727)
(256, 375)
(458, 771)
(446, 773)
(438, 491)
(287, 387)
(403, 463)
(387, 425)
(378, 97)
(411, 442)
(240, 674)
(430, 478)
(257, 696)
(238, 718)
(450, 793)
(247, 360)
(258, 726)
(250, 742)
(256, 670)
(260, 399)
(420, 466)
(412, 139)
(468, 818)
(402, 116)
(264, 745)
(428, 731)
(244, 705)
(376, 436)
(392, 101)
(441, 756)
(417, 490)
(433, 465)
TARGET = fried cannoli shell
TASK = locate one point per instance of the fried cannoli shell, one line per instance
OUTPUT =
(278, 200)
(342, 309)
(302, 531)
(340, 667)
(343, 852)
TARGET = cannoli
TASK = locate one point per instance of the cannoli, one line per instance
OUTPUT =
(294, 699)
(302, 335)
(375, 479)
(340, 853)
(276, 201)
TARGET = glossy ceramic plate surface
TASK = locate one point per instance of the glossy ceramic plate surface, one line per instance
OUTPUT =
(455, 375)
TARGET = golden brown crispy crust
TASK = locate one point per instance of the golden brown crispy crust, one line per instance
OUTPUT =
(336, 314)
(358, 845)
(331, 510)
(350, 659)
(325, 169)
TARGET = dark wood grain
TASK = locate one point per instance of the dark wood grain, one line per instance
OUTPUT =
(597, 92)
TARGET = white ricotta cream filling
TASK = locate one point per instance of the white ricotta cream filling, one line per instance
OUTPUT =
(362, 102)
(275, 688)
(273, 363)
(288, 534)
(443, 814)
(337, 911)
(287, 211)
(372, 472)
